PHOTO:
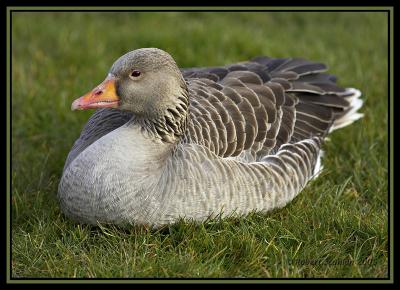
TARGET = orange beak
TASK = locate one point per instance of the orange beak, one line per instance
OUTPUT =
(102, 96)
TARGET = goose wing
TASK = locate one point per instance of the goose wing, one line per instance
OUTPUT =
(250, 109)
(255, 134)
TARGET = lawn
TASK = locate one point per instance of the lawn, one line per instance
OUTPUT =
(337, 227)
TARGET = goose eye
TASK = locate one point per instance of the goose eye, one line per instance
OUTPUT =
(135, 74)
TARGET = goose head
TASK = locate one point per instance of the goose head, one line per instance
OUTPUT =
(146, 82)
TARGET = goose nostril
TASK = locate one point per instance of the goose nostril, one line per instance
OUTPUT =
(97, 93)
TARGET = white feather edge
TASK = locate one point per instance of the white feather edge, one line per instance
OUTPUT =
(355, 104)
(318, 165)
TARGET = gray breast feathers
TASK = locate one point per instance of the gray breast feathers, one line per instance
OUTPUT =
(102, 122)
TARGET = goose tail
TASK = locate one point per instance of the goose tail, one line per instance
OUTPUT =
(351, 113)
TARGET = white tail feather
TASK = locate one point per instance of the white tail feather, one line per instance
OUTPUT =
(353, 97)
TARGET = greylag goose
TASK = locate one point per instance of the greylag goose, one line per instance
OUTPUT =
(169, 143)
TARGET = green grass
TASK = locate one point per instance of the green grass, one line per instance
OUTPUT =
(337, 227)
